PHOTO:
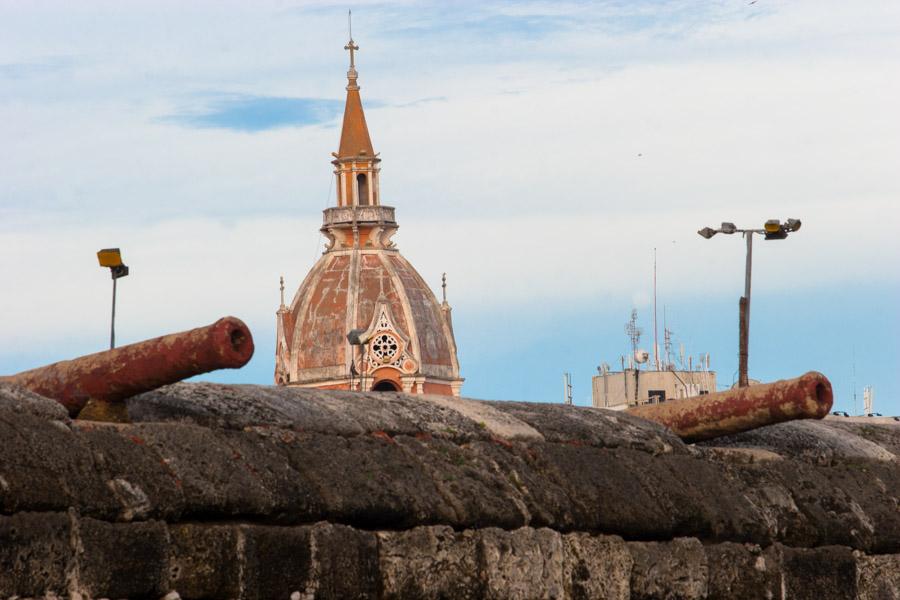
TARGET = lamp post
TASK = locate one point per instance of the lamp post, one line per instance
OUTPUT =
(773, 230)
(112, 258)
(358, 337)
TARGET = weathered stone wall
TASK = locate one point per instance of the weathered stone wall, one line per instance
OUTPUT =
(259, 492)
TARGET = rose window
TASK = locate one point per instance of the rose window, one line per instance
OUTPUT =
(385, 347)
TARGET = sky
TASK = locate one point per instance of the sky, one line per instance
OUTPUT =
(537, 152)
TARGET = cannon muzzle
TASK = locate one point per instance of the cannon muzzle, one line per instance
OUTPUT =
(741, 409)
(120, 373)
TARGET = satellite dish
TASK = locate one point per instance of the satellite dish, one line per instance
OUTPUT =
(641, 356)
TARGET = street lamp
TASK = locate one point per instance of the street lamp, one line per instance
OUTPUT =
(112, 258)
(773, 230)
(358, 337)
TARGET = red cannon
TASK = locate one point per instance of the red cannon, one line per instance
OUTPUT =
(741, 409)
(116, 374)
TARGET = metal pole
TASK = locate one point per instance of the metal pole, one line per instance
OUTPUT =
(112, 324)
(744, 335)
(655, 321)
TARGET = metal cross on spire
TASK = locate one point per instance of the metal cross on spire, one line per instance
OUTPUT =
(350, 45)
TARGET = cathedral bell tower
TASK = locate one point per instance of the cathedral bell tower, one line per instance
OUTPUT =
(364, 319)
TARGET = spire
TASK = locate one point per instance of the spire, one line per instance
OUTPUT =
(354, 134)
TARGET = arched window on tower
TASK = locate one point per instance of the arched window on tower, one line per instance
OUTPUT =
(362, 186)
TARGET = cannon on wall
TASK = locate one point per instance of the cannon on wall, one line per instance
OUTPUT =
(741, 409)
(114, 375)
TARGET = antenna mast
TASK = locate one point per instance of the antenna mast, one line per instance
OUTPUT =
(634, 332)
(667, 337)
(567, 388)
(853, 381)
(655, 337)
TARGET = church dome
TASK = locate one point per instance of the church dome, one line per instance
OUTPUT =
(363, 318)
(407, 335)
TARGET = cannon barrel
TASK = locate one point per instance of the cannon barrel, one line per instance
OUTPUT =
(116, 374)
(740, 409)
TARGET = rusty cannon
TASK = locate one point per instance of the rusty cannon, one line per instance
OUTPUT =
(741, 409)
(114, 375)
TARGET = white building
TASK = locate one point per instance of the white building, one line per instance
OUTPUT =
(618, 390)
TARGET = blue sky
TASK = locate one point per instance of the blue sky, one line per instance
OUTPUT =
(535, 151)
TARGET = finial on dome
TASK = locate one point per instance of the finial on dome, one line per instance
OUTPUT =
(352, 47)
(444, 287)
(281, 284)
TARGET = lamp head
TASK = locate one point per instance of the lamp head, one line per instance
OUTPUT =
(792, 224)
(112, 258)
(728, 228)
(775, 230)
(707, 232)
(109, 257)
(357, 337)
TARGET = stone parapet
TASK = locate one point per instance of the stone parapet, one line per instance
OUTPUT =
(347, 215)
(217, 491)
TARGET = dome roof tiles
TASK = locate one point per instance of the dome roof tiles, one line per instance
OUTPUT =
(343, 292)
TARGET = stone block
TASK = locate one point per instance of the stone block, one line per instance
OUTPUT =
(596, 566)
(824, 573)
(878, 577)
(121, 560)
(741, 571)
(669, 570)
(430, 562)
(345, 562)
(276, 562)
(522, 564)
(35, 554)
(204, 562)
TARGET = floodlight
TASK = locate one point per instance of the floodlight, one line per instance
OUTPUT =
(772, 226)
(357, 337)
(112, 259)
(728, 228)
(707, 232)
(792, 224)
(109, 257)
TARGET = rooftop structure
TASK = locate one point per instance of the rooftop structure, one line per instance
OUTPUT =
(619, 390)
(633, 386)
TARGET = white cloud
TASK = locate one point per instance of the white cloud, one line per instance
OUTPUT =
(563, 156)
